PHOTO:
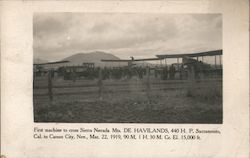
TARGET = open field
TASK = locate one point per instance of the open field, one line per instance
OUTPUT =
(129, 101)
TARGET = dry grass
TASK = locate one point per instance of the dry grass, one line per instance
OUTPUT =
(199, 106)
(211, 94)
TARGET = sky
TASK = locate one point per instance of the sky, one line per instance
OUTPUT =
(59, 35)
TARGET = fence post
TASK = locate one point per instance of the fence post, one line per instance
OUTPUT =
(50, 85)
(191, 81)
(100, 84)
(148, 80)
(191, 73)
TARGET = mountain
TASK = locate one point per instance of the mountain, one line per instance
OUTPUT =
(93, 57)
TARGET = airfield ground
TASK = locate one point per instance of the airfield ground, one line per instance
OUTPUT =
(203, 105)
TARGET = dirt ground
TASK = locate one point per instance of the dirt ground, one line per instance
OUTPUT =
(175, 106)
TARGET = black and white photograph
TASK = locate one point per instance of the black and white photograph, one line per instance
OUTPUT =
(127, 68)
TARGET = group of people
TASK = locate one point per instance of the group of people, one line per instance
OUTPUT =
(126, 72)
(189, 68)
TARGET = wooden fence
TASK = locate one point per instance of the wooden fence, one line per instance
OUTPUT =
(100, 87)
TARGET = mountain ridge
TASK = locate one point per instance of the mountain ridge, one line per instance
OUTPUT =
(92, 57)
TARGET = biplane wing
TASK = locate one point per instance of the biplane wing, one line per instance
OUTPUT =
(118, 60)
(127, 60)
(147, 59)
(50, 63)
(199, 54)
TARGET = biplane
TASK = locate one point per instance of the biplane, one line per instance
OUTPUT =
(191, 62)
(40, 69)
(131, 61)
(214, 53)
